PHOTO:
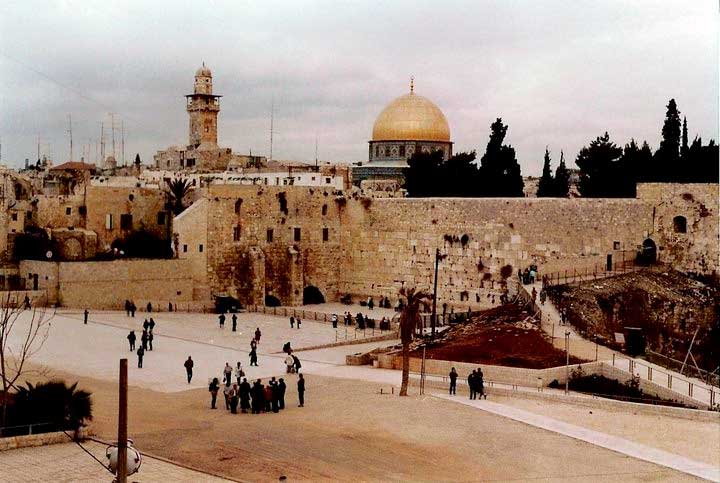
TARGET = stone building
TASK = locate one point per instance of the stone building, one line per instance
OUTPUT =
(409, 124)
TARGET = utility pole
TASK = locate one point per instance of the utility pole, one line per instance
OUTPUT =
(38, 148)
(102, 143)
(272, 115)
(112, 128)
(434, 306)
(567, 362)
(122, 424)
(316, 151)
(122, 142)
(70, 131)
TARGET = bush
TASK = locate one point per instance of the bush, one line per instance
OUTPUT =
(61, 406)
(32, 245)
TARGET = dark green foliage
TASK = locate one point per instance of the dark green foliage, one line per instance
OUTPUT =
(684, 145)
(63, 407)
(499, 169)
(546, 186)
(143, 244)
(177, 189)
(668, 154)
(562, 179)
(137, 160)
(600, 168)
(32, 245)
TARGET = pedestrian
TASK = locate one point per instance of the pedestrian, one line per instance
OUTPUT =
(297, 323)
(289, 364)
(268, 393)
(234, 322)
(275, 395)
(292, 322)
(131, 339)
(189, 364)
(227, 392)
(85, 316)
(371, 303)
(282, 387)
(296, 363)
(239, 373)
(144, 340)
(149, 307)
(26, 302)
(169, 306)
(146, 324)
(334, 321)
(151, 325)
(543, 297)
(133, 308)
(150, 338)
(481, 384)
(140, 354)
(453, 381)
(253, 343)
(221, 320)
(253, 357)
(301, 391)
(234, 399)
(213, 388)
(257, 334)
(127, 307)
(227, 372)
(244, 396)
(258, 397)
(471, 384)
(533, 294)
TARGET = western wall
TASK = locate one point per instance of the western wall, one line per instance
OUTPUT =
(278, 241)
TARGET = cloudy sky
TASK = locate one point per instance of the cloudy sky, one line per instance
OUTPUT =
(559, 73)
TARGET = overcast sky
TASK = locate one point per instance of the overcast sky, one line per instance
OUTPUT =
(559, 73)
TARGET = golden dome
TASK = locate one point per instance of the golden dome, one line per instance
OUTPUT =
(411, 118)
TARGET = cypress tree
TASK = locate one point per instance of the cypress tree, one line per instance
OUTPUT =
(499, 169)
(668, 154)
(546, 186)
(562, 179)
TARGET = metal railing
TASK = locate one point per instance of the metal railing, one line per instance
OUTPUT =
(325, 317)
(588, 273)
(28, 429)
(710, 378)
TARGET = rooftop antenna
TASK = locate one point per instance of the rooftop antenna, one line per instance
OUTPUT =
(70, 131)
(122, 140)
(316, 151)
(112, 128)
(102, 143)
(38, 148)
(272, 115)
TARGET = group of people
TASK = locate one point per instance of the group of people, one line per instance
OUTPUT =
(295, 321)
(529, 275)
(257, 397)
(233, 318)
(361, 320)
(130, 308)
(146, 340)
(475, 381)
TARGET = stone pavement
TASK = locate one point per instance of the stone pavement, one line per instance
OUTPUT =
(614, 443)
(68, 463)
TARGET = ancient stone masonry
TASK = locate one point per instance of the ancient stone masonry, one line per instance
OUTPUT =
(278, 241)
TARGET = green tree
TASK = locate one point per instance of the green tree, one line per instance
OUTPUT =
(668, 154)
(546, 185)
(562, 179)
(137, 159)
(178, 188)
(499, 169)
(599, 168)
(702, 162)
(410, 319)
(684, 146)
(424, 176)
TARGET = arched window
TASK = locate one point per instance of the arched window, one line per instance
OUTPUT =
(680, 224)
(238, 205)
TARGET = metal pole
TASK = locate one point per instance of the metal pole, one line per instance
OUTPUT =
(434, 306)
(122, 424)
(567, 362)
(596, 347)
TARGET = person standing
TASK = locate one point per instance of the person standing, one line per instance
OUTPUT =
(257, 334)
(244, 396)
(253, 357)
(268, 393)
(151, 325)
(189, 364)
(533, 294)
(127, 307)
(234, 322)
(453, 381)
(297, 323)
(150, 338)
(289, 364)
(481, 384)
(334, 321)
(227, 371)
(221, 321)
(146, 324)
(471, 384)
(214, 388)
(301, 391)
(275, 395)
(292, 322)
(144, 340)
(234, 399)
(282, 387)
(85, 316)
(133, 308)
(149, 307)
(296, 363)
(227, 391)
(258, 397)
(140, 354)
(131, 339)
(239, 373)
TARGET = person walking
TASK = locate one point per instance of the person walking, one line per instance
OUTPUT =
(151, 325)
(301, 391)
(140, 354)
(253, 357)
(292, 322)
(226, 392)
(453, 381)
(533, 294)
(227, 372)
(221, 321)
(133, 308)
(234, 399)
(244, 396)
(471, 384)
(239, 373)
(150, 338)
(131, 339)
(214, 388)
(127, 307)
(481, 384)
(253, 343)
(234, 322)
(189, 364)
(257, 334)
(85, 316)
(543, 297)
(282, 387)
(144, 340)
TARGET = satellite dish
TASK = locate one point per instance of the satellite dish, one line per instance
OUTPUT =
(48, 255)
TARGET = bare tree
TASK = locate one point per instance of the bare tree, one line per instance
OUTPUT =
(409, 321)
(23, 331)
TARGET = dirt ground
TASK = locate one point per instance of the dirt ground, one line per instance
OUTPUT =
(501, 336)
(348, 431)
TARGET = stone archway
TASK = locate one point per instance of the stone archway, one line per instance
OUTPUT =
(312, 295)
(648, 253)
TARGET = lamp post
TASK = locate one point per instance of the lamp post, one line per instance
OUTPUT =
(567, 362)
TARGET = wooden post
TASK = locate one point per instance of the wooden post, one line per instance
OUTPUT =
(122, 424)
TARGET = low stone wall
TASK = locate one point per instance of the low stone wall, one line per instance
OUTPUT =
(42, 439)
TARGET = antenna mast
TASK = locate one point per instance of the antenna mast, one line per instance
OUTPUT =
(316, 155)
(272, 115)
(112, 128)
(38, 148)
(102, 143)
(70, 131)
(122, 141)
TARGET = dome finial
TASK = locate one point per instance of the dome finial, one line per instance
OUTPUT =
(412, 84)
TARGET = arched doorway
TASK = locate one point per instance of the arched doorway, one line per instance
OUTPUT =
(312, 295)
(648, 253)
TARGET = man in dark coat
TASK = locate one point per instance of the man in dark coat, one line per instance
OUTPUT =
(140, 354)
(131, 339)
(146, 324)
(189, 364)
(244, 395)
(453, 381)
(85, 316)
(471, 384)
(221, 321)
(258, 397)
(301, 391)
(281, 393)
(275, 395)
(144, 340)
(150, 338)
(151, 325)
(234, 322)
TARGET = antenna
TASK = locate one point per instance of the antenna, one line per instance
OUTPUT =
(316, 156)
(38, 148)
(122, 142)
(272, 115)
(102, 143)
(70, 131)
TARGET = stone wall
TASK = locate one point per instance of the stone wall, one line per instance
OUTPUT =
(106, 285)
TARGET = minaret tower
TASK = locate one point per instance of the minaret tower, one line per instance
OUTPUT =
(203, 107)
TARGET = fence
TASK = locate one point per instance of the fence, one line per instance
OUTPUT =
(589, 273)
(370, 324)
(710, 378)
